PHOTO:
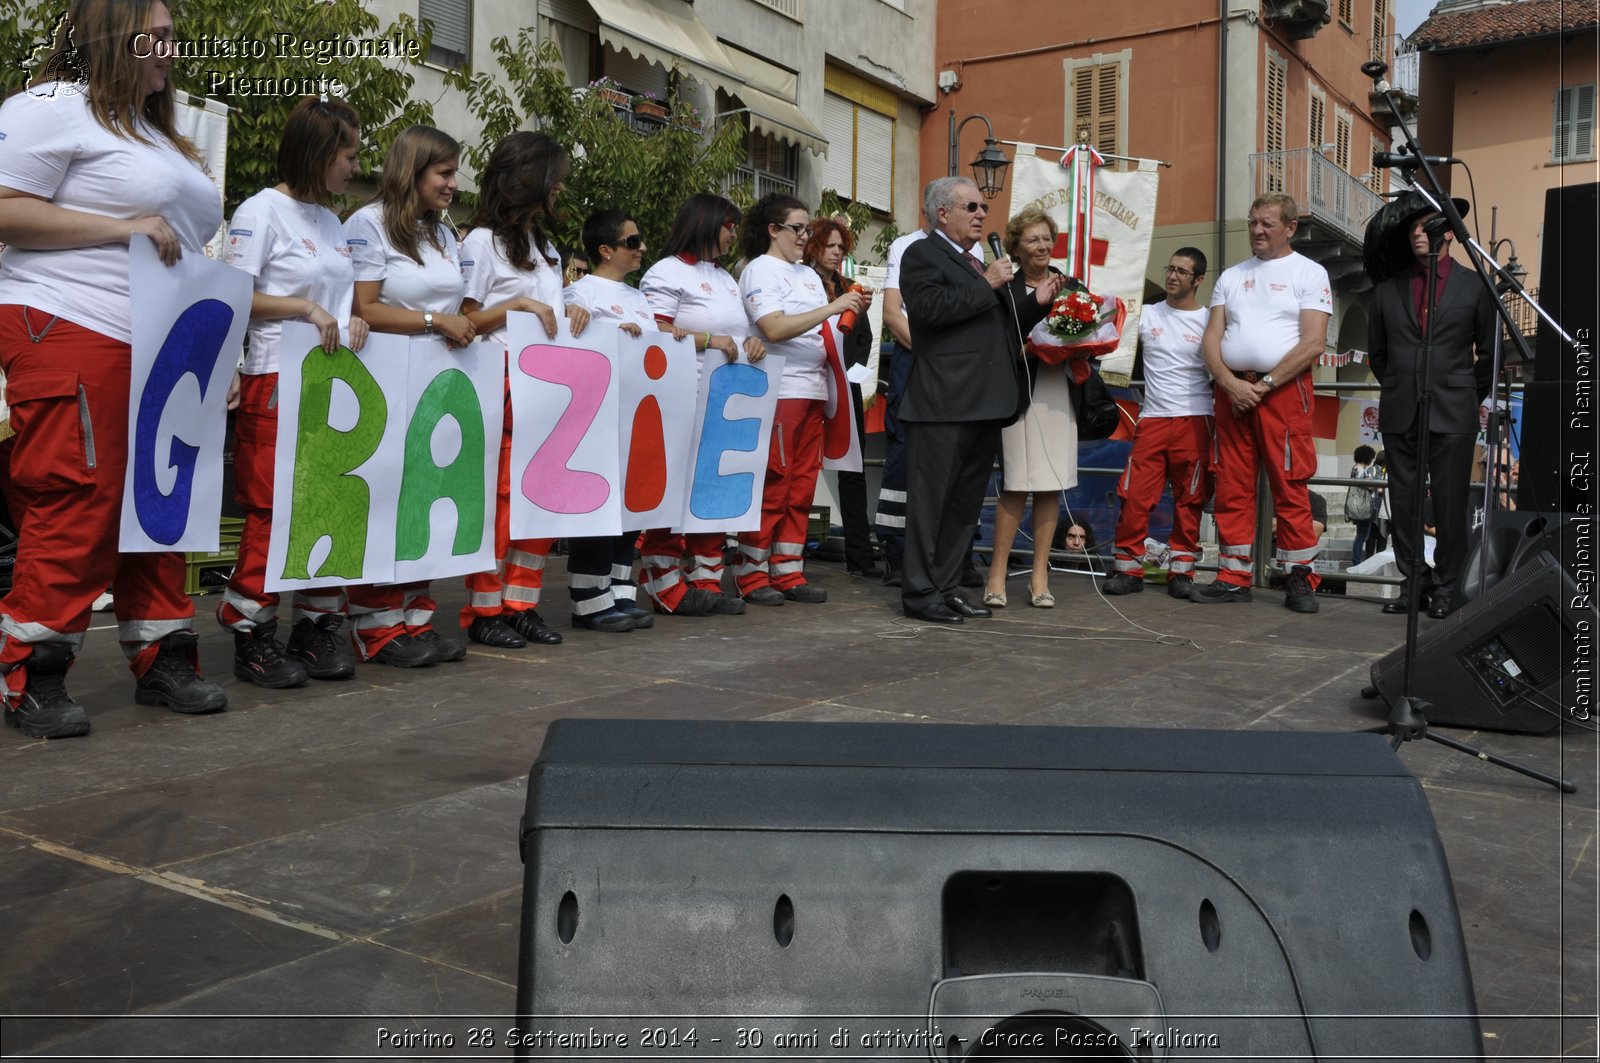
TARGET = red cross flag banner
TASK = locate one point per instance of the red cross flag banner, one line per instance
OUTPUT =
(1113, 248)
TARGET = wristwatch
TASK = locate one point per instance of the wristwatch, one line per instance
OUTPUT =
(1266, 378)
(427, 321)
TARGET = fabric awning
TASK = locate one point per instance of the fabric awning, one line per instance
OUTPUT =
(768, 95)
(667, 32)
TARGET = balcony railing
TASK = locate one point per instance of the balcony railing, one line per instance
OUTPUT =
(791, 8)
(763, 183)
(1324, 191)
(1403, 69)
(1523, 314)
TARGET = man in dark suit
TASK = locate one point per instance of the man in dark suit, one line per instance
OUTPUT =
(1399, 325)
(962, 390)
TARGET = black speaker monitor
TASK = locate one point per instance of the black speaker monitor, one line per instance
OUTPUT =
(945, 892)
(1504, 661)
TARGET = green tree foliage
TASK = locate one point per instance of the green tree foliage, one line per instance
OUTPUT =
(379, 88)
(614, 164)
(860, 218)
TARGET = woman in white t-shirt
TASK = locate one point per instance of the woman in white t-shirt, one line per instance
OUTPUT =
(86, 163)
(408, 281)
(510, 264)
(687, 289)
(294, 246)
(785, 300)
(600, 568)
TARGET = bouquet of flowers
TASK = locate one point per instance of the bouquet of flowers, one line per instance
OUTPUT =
(1080, 325)
(1074, 314)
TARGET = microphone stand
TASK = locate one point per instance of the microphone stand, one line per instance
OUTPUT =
(1408, 713)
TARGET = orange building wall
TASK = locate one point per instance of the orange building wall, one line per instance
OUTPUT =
(1008, 55)
(1502, 127)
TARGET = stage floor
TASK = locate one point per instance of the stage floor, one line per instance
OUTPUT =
(349, 849)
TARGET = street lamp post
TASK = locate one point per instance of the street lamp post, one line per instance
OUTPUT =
(989, 168)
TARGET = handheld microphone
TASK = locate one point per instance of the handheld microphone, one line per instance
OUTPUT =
(994, 246)
(1385, 160)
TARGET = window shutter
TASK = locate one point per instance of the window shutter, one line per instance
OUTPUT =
(1083, 104)
(634, 74)
(452, 28)
(1319, 118)
(1347, 9)
(1583, 121)
(1380, 30)
(1375, 178)
(838, 167)
(1107, 85)
(1341, 140)
(1277, 76)
(874, 159)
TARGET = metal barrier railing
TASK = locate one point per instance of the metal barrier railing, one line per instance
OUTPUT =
(1260, 549)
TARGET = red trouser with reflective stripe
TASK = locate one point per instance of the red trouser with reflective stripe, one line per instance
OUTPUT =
(1276, 435)
(1175, 450)
(68, 394)
(517, 584)
(661, 564)
(775, 555)
(247, 602)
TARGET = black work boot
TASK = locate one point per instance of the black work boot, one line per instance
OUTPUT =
(259, 658)
(322, 649)
(45, 709)
(172, 680)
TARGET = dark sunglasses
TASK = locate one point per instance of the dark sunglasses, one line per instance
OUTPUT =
(973, 208)
(632, 243)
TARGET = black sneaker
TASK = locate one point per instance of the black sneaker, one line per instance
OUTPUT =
(765, 596)
(1122, 583)
(448, 649)
(258, 657)
(1217, 592)
(1180, 586)
(494, 631)
(725, 605)
(172, 681)
(405, 651)
(806, 593)
(531, 626)
(45, 709)
(1301, 598)
(611, 620)
(642, 618)
(321, 647)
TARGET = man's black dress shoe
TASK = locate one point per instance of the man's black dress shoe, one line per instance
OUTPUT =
(963, 607)
(1399, 605)
(1441, 605)
(937, 613)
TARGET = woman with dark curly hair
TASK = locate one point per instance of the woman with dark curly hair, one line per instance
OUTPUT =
(785, 300)
(825, 252)
(510, 264)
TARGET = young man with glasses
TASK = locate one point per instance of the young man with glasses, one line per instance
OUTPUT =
(962, 390)
(1172, 444)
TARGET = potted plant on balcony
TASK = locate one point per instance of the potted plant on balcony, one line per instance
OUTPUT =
(648, 106)
(612, 93)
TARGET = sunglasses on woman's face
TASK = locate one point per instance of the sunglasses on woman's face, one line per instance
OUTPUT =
(632, 243)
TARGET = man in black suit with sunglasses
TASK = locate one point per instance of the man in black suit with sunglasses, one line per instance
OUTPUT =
(963, 389)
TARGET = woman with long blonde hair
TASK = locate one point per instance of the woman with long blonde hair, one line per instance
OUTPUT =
(408, 282)
(89, 158)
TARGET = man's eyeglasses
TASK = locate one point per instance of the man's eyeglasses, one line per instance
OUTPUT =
(632, 243)
(800, 229)
(1178, 270)
(974, 208)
